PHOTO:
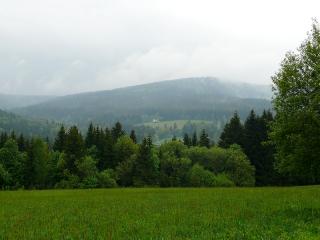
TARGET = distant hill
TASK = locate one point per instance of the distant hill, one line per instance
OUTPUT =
(11, 122)
(191, 98)
(8, 101)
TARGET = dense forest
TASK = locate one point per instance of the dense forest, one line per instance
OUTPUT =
(110, 158)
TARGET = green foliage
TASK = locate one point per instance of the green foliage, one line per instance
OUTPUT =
(4, 177)
(296, 129)
(174, 167)
(124, 149)
(60, 141)
(38, 159)
(11, 160)
(231, 161)
(74, 149)
(107, 179)
(223, 180)
(199, 177)
(232, 132)
(146, 166)
(125, 171)
(204, 139)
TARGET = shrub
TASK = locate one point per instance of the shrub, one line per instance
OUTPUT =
(107, 179)
(223, 180)
(199, 177)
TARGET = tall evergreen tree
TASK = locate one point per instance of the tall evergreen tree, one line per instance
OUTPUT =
(232, 133)
(74, 148)
(186, 140)
(117, 131)
(146, 166)
(60, 141)
(194, 139)
(3, 139)
(21, 143)
(39, 158)
(133, 136)
(204, 139)
(90, 137)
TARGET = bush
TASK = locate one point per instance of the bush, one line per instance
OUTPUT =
(107, 179)
(199, 177)
(231, 161)
(89, 182)
(71, 181)
(223, 180)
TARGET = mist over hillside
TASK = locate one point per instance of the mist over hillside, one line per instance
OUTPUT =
(190, 98)
(9, 101)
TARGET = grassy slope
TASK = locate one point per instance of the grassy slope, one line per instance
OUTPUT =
(235, 213)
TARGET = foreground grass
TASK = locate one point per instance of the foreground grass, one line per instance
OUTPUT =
(235, 213)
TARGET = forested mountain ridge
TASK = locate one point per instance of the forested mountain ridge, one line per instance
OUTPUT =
(11, 122)
(191, 98)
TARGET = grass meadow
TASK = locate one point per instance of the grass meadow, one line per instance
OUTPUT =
(155, 213)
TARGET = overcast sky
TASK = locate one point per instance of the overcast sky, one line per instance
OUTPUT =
(70, 46)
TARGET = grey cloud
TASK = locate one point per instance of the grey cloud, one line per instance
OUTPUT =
(61, 47)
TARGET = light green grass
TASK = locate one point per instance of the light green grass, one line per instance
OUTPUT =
(234, 213)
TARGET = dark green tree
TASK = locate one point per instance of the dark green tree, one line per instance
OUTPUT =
(90, 137)
(186, 140)
(204, 139)
(74, 148)
(117, 131)
(60, 141)
(194, 139)
(145, 168)
(232, 132)
(133, 136)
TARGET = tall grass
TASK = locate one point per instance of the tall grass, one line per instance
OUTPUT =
(231, 213)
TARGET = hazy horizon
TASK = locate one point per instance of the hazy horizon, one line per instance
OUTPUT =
(63, 47)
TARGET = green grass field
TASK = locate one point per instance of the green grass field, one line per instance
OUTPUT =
(233, 213)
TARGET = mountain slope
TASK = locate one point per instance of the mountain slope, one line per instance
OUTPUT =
(192, 98)
(12, 122)
(8, 101)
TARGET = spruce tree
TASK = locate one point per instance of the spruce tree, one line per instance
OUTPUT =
(117, 131)
(186, 140)
(60, 141)
(133, 136)
(204, 139)
(21, 143)
(146, 165)
(74, 148)
(194, 139)
(90, 136)
(233, 132)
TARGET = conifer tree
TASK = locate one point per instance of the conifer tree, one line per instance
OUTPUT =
(117, 131)
(194, 139)
(21, 143)
(90, 136)
(146, 165)
(232, 132)
(204, 139)
(60, 141)
(74, 148)
(186, 140)
(133, 136)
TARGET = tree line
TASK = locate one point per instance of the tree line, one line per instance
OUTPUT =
(110, 158)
